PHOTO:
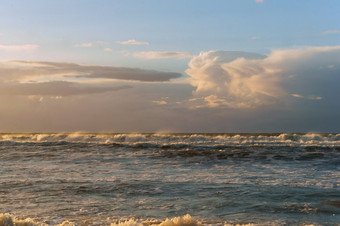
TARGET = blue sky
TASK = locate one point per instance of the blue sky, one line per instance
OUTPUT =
(174, 61)
(189, 26)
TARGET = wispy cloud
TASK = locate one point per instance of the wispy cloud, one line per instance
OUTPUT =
(132, 42)
(259, 1)
(38, 69)
(55, 88)
(35, 98)
(214, 101)
(160, 55)
(297, 95)
(108, 49)
(311, 97)
(255, 37)
(89, 44)
(160, 102)
(331, 32)
(27, 47)
(314, 98)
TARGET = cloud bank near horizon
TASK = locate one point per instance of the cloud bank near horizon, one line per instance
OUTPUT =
(65, 79)
(55, 88)
(37, 69)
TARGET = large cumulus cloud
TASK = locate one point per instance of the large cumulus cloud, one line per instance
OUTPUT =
(249, 80)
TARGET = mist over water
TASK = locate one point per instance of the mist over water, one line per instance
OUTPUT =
(99, 179)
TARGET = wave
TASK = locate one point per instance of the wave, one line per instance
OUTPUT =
(186, 220)
(10, 220)
(175, 140)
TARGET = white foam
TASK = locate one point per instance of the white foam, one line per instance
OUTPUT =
(309, 139)
(9, 220)
(186, 220)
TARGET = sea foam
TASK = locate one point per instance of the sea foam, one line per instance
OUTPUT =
(9, 220)
(186, 220)
(208, 140)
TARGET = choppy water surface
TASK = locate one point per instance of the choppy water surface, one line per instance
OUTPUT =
(99, 179)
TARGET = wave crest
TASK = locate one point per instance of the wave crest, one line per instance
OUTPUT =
(175, 140)
(9, 220)
(186, 220)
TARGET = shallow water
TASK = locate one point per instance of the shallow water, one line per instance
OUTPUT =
(99, 179)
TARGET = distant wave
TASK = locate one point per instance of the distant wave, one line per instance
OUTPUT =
(176, 140)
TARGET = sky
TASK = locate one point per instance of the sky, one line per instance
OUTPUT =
(206, 66)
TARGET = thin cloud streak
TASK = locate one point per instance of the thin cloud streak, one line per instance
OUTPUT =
(38, 69)
(27, 47)
(56, 88)
(160, 102)
(133, 42)
(89, 44)
(255, 37)
(162, 55)
(297, 95)
(331, 32)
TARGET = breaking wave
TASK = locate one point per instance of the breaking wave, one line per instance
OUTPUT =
(176, 140)
(10, 220)
(186, 220)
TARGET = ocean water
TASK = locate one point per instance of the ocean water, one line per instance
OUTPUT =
(169, 179)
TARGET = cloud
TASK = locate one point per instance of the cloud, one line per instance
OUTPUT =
(160, 102)
(55, 89)
(39, 99)
(36, 98)
(297, 95)
(108, 49)
(89, 44)
(160, 55)
(308, 97)
(36, 69)
(27, 47)
(132, 42)
(249, 80)
(259, 1)
(314, 98)
(255, 37)
(213, 101)
(331, 32)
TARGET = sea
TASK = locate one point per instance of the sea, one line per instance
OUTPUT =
(169, 179)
